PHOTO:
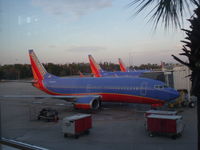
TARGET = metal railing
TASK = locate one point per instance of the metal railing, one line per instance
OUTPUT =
(20, 145)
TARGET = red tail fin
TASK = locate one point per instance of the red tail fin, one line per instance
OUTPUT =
(122, 66)
(96, 69)
(37, 68)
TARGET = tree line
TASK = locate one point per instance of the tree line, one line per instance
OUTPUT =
(23, 71)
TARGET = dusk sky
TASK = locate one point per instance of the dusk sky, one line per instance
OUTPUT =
(66, 31)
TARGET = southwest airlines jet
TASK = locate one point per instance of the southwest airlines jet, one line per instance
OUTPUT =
(89, 92)
(123, 68)
(98, 72)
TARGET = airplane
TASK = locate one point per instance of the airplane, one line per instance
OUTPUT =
(97, 71)
(156, 75)
(89, 92)
(123, 68)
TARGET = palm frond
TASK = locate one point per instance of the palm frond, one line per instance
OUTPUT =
(181, 61)
(167, 12)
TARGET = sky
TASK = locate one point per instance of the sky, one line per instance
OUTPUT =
(66, 31)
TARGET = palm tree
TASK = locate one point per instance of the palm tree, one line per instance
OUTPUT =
(170, 12)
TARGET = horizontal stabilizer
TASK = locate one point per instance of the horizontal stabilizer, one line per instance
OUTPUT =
(21, 81)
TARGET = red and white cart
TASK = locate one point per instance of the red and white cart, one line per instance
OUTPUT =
(170, 125)
(76, 125)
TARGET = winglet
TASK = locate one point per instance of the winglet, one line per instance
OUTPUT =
(122, 66)
(96, 69)
(37, 68)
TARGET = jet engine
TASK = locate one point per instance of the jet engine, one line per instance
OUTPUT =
(88, 102)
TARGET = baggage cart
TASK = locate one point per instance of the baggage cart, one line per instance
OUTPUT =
(48, 114)
(160, 112)
(76, 125)
(164, 125)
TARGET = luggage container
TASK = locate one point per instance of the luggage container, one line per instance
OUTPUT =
(160, 112)
(164, 125)
(76, 125)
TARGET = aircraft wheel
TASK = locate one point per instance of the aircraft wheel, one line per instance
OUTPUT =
(191, 105)
(183, 104)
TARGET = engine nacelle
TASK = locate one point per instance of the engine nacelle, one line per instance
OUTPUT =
(87, 103)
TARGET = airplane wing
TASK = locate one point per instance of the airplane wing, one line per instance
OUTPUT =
(22, 81)
(63, 97)
(81, 102)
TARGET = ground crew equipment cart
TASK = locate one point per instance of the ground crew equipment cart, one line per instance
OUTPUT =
(170, 125)
(76, 125)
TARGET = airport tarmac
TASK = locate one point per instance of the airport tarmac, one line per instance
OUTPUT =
(115, 127)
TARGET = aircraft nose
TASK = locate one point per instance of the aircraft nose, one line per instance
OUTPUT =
(174, 94)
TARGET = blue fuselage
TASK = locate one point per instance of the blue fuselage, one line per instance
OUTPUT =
(136, 73)
(121, 89)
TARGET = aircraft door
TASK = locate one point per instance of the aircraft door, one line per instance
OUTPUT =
(143, 88)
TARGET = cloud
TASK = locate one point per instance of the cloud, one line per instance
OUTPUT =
(86, 49)
(74, 8)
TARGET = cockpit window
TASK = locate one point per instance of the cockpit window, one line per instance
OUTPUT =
(160, 86)
(165, 86)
